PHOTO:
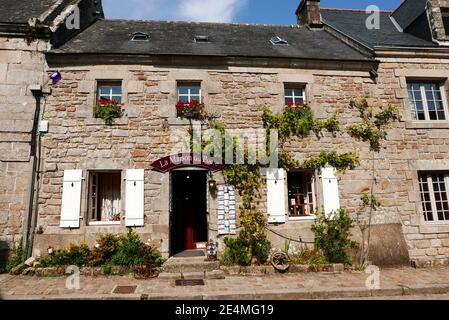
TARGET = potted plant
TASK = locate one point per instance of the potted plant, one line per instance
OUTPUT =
(190, 110)
(108, 110)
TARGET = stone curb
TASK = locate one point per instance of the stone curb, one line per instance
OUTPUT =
(310, 295)
(348, 293)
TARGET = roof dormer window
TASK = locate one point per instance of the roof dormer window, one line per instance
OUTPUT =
(140, 36)
(201, 39)
(276, 40)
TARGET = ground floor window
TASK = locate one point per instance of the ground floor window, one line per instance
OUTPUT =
(104, 196)
(301, 193)
(434, 196)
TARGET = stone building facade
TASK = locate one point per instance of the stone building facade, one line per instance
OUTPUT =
(325, 61)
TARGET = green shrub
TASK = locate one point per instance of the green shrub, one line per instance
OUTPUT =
(126, 251)
(16, 257)
(236, 251)
(130, 251)
(108, 246)
(332, 236)
(261, 247)
(133, 252)
(308, 256)
(78, 255)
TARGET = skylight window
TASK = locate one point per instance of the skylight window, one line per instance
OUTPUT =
(140, 36)
(276, 40)
(201, 39)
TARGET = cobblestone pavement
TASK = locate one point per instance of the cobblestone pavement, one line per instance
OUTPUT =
(393, 282)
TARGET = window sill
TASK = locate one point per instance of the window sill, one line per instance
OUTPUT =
(426, 125)
(182, 122)
(104, 223)
(434, 227)
(306, 218)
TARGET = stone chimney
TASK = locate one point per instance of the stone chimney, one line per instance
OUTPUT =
(308, 14)
(438, 15)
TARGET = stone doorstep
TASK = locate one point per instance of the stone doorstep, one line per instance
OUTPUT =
(209, 275)
(183, 265)
(269, 270)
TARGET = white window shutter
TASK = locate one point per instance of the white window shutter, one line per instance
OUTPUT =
(71, 199)
(276, 208)
(134, 208)
(331, 198)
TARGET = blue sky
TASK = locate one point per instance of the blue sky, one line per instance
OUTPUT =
(244, 11)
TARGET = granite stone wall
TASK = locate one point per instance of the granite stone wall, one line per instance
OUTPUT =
(149, 130)
(21, 64)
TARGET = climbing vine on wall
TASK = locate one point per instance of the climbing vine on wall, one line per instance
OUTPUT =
(295, 121)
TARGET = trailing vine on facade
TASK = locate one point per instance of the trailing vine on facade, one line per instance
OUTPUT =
(293, 121)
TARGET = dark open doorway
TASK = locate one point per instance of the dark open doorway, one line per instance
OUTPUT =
(188, 221)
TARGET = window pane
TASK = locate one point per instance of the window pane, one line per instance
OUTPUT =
(288, 92)
(288, 100)
(183, 90)
(195, 97)
(183, 99)
(105, 90)
(298, 92)
(116, 90)
(195, 90)
(433, 115)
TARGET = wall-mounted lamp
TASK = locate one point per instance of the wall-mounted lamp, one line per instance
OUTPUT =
(55, 77)
(212, 183)
(50, 250)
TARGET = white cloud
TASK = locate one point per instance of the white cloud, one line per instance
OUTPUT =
(187, 10)
(209, 10)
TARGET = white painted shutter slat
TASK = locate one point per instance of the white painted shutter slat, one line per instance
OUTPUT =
(276, 208)
(71, 199)
(134, 208)
(331, 197)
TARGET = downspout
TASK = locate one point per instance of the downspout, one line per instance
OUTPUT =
(37, 93)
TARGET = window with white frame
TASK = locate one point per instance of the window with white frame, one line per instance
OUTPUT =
(301, 193)
(294, 94)
(110, 90)
(426, 100)
(434, 188)
(104, 196)
(188, 92)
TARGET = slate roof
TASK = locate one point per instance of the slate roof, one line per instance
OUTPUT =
(409, 11)
(353, 24)
(177, 38)
(20, 11)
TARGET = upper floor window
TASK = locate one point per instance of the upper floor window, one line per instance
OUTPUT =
(426, 101)
(110, 90)
(294, 94)
(434, 189)
(188, 92)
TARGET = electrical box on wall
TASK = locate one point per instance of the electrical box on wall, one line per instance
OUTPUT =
(43, 126)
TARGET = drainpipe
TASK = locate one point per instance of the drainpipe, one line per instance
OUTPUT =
(36, 90)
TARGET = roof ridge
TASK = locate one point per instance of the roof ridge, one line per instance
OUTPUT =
(355, 10)
(205, 22)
